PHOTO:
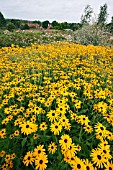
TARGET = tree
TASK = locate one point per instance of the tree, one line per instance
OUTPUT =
(11, 26)
(74, 26)
(16, 22)
(92, 34)
(86, 18)
(65, 25)
(112, 19)
(54, 23)
(25, 27)
(45, 24)
(110, 26)
(2, 20)
(102, 17)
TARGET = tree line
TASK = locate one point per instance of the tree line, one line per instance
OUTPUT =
(12, 24)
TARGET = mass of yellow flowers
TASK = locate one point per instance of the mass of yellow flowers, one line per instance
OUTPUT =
(56, 107)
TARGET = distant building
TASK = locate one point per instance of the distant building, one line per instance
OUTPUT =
(33, 25)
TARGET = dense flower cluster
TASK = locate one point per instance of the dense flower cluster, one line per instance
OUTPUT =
(56, 109)
(24, 38)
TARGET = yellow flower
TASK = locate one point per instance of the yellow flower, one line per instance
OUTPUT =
(83, 120)
(63, 120)
(109, 166)
(3, 133)
(56, 128)
(2, 153)
(89, 165)
(78, 164)
(43, 126)
(77, 104)
(38, 150)
(13, 156)
(7, 158)
(65, 141)
(5, 121)
(52, 115)
(16, 133)
(4, 166)
(52, 147)
(28, 127)
(88, 128)
(98, 158)
(41, 162)
(28, 158)
(35, 136)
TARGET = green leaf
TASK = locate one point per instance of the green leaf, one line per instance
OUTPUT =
(32, 141)
(23, 142)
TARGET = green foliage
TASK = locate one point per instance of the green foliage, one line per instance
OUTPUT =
(16, 22)
(92, 34)
(110, 26)
(11, 26)
(2, 20)
(25, 27)
(37, 22)
(54, 23)
(45, 24)
(102, 17)
(27, 38)
(75, 26)
(60, 26)
(86, 18)
(65, 25)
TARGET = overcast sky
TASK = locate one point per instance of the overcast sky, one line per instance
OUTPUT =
(59, 10)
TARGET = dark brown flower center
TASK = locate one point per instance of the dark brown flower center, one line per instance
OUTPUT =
(110, 168)
(27, 126)
(104, 151)
(39, 151)
(28, 158)
(87, 167)
(65, 140)
(72, 159)
(99, 157)
(41, 161)
(56, 127)
(78, 166)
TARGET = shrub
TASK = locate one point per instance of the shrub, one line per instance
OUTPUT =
(11, 26)
(92, 34)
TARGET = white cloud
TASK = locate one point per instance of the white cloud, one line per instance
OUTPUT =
(60, 10)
